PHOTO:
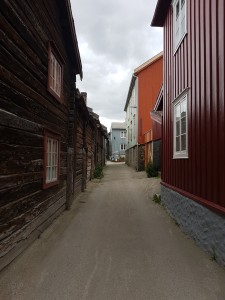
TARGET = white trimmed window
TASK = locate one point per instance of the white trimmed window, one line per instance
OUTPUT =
(122, 147)
(123, 134)
(179, 21)
(51, 159)
(55, 72)
(180, 129)
(55, 75)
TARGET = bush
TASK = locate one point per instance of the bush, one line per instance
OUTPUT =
(156, 198)
(98, 172)
(151, 170)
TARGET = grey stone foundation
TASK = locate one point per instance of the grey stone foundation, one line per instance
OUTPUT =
(205, 226)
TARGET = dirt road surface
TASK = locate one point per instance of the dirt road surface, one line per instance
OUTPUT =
(117, 245)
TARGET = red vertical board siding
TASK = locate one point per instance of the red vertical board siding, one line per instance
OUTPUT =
(221, 112)
(202, 62)
(208, 95)
(198, 64)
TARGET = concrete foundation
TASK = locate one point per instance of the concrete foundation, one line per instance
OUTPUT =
(205, 226)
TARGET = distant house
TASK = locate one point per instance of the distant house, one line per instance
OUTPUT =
(39, 63)
(193, 180)
(144, 87)
(118, 140)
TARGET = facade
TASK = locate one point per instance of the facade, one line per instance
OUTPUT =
(144, 88)
(156, 117)
(40, 116)
(193, 180)
(118, 141)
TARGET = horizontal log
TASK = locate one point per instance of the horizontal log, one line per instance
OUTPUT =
(14, 193)
(24, 232)
(33, 100)
(24, 210)
(10, 181)
(13, 136)
(25, 33)
(11, 120)
(12, 155)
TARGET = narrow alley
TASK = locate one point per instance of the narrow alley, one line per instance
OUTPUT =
(118, 244)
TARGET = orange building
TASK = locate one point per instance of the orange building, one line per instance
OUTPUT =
(144, 88)
(150, 77)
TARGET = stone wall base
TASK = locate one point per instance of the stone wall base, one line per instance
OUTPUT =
(205, 226)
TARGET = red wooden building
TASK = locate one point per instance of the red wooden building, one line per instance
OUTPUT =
(193, 176)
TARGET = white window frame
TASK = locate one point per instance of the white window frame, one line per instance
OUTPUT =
(177, 22)
(122, 147)
(55, 75)
(181, 99)
(123, 134)
(55, 72)
(51, 159)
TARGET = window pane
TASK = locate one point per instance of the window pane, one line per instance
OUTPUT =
(177, 112)
(47, 174)
(183, 106)
(178, 128)
(183, 125)
(183, 142)
(55, 75)
(177, 144)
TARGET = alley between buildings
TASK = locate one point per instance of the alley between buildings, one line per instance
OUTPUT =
(116, 244)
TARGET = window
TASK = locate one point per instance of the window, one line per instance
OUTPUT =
(122, 147)
(55, 72)
(123, 134)
(180, 126)
(180, 28)
(51, 159)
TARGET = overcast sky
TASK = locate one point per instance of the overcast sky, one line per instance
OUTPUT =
(114, 38)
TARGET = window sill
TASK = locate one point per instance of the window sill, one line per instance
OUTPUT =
(50, 184)
(57, 97)
(180, 156)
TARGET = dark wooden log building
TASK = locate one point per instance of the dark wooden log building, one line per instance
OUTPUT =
(40, 129)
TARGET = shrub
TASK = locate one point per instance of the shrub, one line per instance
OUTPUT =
(156, 198)
(151, 170)
(98, 172)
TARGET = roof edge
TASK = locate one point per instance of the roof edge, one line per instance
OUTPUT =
(148, 63)
(159, 16)
(74, 37)
(132, 82)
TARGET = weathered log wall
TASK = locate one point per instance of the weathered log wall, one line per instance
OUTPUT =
(26, 109)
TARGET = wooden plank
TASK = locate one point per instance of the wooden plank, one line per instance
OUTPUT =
(20, 247)
(11, 120)
(23, 211)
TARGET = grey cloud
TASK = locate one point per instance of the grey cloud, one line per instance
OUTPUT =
(114, 37)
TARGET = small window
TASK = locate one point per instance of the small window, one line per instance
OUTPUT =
(122, 147)
(55, 72)
(180, 127)
(180, 28)
(51, 159)
(123, 134)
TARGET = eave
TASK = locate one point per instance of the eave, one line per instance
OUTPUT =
(161, 10)
(78, 70)
(132, 83)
